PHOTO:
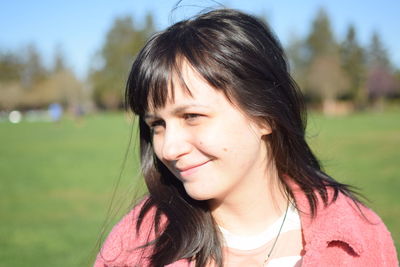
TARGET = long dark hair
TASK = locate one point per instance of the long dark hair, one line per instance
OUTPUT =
(239, 55)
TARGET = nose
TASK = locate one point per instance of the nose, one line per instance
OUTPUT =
(175, 144)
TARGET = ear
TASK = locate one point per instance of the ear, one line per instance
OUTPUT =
(265, 129)
(262, 128)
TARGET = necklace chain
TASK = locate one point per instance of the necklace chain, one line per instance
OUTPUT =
(276, 238)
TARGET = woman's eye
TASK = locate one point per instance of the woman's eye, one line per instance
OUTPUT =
(191, 117)
(154, 125)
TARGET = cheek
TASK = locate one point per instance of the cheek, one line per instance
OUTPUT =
(216, 138)
(157, 148)
(216, 146)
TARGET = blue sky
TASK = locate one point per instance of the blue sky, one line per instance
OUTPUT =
(80, 26)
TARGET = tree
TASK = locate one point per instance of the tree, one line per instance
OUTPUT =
(380, 79)
(123, 42)
(61, 87)
(25, 83)
(396, 92)
(59, 60)
(10, 67)
(327, 80)
(377, 53)
(354, 65)
(320, 41)
(325, 77)
(33, 70)
(297, 55)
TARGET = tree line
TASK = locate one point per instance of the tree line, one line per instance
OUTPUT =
(25, 83)
(335, 75)
(342, 75)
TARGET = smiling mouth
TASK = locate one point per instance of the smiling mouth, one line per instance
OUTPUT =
(191, 169)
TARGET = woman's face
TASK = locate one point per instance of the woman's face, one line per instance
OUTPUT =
(207, 142)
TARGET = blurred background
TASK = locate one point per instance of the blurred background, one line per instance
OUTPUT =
(68, 161)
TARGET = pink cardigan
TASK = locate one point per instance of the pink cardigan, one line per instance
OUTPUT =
(337, 236)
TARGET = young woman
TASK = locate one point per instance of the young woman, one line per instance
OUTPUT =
(231, 179)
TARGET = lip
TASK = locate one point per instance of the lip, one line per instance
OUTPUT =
(191, 169)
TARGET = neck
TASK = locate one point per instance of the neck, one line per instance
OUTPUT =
(252, 211)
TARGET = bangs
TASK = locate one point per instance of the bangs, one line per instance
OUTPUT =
(159, 65)
(163, 82)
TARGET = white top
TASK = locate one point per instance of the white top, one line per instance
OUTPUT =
(251, 242)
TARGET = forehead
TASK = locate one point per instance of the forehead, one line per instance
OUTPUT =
(187, 87)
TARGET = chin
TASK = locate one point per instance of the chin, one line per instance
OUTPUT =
(197, 194)
(199, 197)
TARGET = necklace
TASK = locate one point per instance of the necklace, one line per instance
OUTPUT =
(276, 238)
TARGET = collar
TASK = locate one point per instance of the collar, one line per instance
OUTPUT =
(338, 223)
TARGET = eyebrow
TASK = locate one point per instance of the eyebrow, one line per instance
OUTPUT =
(177, 110)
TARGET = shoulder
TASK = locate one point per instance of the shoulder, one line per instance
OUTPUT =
(122, 246)
(344, 233)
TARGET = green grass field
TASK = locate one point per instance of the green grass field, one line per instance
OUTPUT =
(57, 179)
